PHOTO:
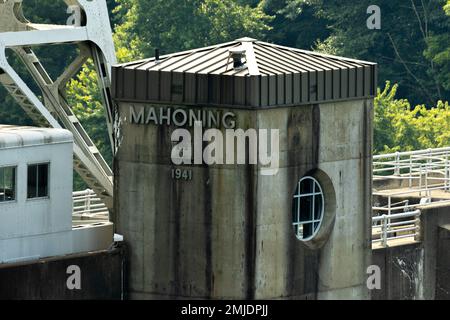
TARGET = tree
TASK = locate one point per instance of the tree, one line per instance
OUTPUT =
(408, 28)
(127, 42)
(174, 25)
(398, 127)
(296, 24)
(438, 51)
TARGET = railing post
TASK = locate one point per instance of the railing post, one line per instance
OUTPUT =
(87, 202)
(429, 168)
(397, 164)
(417, 225)
(429, 158)
(406, 209)
(384, 231)
(410, 171)
(447, 174)
(389, 211)
(420, 179)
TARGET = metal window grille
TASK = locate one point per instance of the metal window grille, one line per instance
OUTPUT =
(308, 208)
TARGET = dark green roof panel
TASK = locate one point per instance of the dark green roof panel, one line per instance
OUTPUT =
(270, 76)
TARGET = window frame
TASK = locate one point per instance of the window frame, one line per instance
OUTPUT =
(15, 167)
(37, 164)
(297, 197)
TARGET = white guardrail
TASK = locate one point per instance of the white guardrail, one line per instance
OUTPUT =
(86, 204)
(395, 226)
(426, 172)
(419, 168)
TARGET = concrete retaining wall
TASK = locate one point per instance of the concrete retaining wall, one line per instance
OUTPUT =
(421, 270)
(101, 277)
(401, 272)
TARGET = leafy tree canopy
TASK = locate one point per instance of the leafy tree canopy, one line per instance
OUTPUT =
(174, 25)
(399, 127)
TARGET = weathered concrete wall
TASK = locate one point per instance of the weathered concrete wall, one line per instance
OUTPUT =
(228, 232)
(401, 272)
(101, 277)
(421, 270)
(443, 264)
(431, 220)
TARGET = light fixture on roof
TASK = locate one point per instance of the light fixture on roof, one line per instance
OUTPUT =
(157, 56)
(238, 55)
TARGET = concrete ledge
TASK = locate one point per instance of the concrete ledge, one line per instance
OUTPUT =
(80, 239)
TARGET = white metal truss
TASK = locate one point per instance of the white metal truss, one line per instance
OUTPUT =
(94, 39)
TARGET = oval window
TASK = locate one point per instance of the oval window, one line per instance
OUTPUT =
(307, 209)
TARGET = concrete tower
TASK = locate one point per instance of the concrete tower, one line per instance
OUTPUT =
(230, 230)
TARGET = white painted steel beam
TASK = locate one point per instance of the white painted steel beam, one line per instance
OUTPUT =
(94, 38)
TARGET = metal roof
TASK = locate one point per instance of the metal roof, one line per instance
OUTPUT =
(17, 136)
(272, 75)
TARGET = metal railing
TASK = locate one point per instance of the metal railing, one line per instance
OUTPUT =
(395, 226)
(423, 173)
(426, 193)
(421, 168)
(86, 205)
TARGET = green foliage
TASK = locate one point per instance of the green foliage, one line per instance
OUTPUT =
(447, 8)
(438, 51)
(296, 24)
(228, 20)
(174, 25)
(126, 41)
(412, 47)
(10, 113)
(398, 127)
